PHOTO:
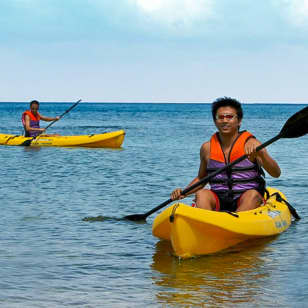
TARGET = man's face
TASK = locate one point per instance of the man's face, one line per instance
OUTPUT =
(226, 120)
(34, 108)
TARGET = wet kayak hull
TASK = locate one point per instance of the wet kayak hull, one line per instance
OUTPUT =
(194, 231)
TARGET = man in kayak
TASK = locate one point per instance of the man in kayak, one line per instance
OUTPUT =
(31, 120)
(241, 187)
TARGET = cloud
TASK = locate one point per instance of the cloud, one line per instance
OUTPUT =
(223, 23)
(175, 14)
(295, 11)
(210, 22)
(271, 21)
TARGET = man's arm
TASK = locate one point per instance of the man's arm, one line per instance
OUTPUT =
(48, 119)
(204, 153)
(263, 157)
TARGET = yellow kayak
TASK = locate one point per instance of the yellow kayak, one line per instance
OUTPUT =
(194, 231)
(106, 140)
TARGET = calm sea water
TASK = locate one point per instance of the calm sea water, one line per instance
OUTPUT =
(51, 257)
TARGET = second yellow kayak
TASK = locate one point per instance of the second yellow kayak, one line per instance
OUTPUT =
(106, 140)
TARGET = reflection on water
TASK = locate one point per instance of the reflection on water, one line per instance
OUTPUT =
(77, 148)
(232, 277)
(31, 149)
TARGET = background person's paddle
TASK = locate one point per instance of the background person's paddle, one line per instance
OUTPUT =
(29, 141)
(296, 126)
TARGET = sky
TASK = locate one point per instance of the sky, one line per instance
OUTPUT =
(154, 50)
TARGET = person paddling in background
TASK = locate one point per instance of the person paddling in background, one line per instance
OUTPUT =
(31, 120)
(241, 187)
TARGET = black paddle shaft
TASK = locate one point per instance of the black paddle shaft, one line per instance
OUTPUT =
(296, 126)
(206, 179)
(65, 112)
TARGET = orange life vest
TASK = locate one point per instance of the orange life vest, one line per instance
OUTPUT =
(34, 122)
(232, 182)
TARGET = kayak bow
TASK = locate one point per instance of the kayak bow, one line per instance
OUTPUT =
(194, 231)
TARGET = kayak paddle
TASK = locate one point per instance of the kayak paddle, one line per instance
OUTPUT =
(29, 141)
(296, 126)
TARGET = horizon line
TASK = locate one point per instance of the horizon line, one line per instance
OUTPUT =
(159, 102)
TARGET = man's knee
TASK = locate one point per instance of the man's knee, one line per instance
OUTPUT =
(252, 194)
(250, 199)
(205, 199)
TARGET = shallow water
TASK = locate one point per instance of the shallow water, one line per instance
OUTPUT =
(51, 256)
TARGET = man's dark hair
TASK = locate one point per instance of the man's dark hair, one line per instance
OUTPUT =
(34, 102)
(227, 102)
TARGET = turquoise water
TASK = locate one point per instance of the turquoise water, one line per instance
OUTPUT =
(51, 257)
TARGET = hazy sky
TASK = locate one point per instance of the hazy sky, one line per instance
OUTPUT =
(154, 50)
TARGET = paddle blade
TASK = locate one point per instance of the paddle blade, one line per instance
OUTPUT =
(296, 126)
(136, 217)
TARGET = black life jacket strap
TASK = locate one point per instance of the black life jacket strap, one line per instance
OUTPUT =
(290, 207)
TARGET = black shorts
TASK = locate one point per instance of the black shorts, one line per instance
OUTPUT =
(223, 205)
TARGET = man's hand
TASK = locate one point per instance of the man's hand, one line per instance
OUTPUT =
(177, 194)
